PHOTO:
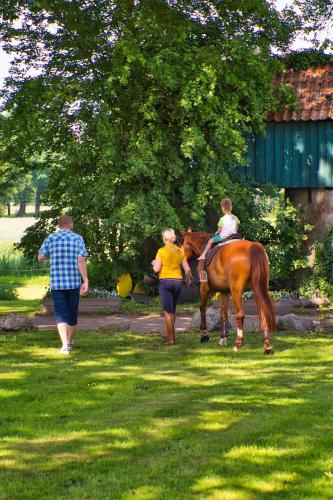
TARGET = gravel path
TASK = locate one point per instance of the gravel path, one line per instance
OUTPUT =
(139, 324)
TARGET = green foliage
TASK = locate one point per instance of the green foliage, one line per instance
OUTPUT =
(321, 279)
(304, 59)
(316, 285)
(324, 256)
(101, 275)
(140, 111)
(280, 227)
(34, 236)
(317, 18)
(285, 249)
(23, 188)
(7, 293)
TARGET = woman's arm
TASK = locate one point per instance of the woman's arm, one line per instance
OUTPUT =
(187, 269)
(157, 265)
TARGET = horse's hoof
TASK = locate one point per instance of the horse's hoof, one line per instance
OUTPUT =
(268, 351)
(204, 338)
(223, 342)
(238, 343)
(235, 348)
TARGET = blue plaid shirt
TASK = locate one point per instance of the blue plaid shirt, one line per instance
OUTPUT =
(64, 247)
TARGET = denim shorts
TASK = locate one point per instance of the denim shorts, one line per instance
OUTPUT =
(169, 290)
(66, 305)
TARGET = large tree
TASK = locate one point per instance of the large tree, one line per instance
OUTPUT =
(142, 109)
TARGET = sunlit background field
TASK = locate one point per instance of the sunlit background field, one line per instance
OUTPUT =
(22, 284)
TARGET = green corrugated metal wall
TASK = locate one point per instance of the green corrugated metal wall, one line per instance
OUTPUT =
(293, 155)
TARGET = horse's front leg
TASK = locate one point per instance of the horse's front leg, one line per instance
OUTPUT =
(223, 342)
(204, 291)
(236, 294)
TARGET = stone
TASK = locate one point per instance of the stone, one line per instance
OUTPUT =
(213, 320)
(326, 325)
(15, 323)
(294, 323)
(314, 302)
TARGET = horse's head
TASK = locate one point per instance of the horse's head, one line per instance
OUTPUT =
(192, 242)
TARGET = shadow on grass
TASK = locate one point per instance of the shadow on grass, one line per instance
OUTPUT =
(128, 416)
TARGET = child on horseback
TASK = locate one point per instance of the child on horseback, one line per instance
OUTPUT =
(227, 226)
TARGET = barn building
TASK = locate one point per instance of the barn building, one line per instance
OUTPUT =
(297, 151)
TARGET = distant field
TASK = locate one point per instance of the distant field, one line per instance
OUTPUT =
(12, 229)
(29, 210)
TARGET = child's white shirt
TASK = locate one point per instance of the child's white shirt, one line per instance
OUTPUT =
(229, 224)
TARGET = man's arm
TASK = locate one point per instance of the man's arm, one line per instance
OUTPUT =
(44, 251)
(81, 262)
(43, 257)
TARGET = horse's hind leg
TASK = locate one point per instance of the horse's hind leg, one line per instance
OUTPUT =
(236, 294)
(267, 343)
(204, 291)
(223, 342)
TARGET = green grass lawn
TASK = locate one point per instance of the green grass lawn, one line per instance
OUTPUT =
(128, 417)
(30, 291)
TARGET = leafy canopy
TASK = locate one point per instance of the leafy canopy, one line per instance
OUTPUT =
(140, 109)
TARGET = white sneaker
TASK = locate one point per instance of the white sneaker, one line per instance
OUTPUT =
(65, 350)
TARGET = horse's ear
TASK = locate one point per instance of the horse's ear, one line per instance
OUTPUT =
(189, 230)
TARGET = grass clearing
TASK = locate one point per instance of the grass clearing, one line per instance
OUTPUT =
(6, 246)
(12, 228)
(29, 292)
(128, 417)
(29, 307)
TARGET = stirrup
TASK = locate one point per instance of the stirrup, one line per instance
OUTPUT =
(203, 277)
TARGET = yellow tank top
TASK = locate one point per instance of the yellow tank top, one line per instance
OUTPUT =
(171, 257)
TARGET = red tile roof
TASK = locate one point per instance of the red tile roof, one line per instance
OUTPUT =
(314, 91)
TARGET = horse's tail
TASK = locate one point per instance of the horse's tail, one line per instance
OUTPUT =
(259, 282)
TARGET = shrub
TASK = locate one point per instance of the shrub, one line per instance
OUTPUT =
(285, 248)
(316, 285)
(281, 228)
(321, 279)
(323, 266)
(101, 275)
(7, 293)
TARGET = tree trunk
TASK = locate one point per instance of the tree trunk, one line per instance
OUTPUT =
(8, 208)
(37, 203)
(22, 208)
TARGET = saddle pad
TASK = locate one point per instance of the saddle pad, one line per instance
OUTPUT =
(216, 248)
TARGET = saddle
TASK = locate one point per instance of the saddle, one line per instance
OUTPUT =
(214, 250)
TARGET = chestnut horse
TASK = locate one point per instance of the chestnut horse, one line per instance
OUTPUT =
(235, 267)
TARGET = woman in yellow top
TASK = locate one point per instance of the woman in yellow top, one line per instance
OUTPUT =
(168, 263)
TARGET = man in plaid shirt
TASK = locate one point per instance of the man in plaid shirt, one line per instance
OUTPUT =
(66, 251)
